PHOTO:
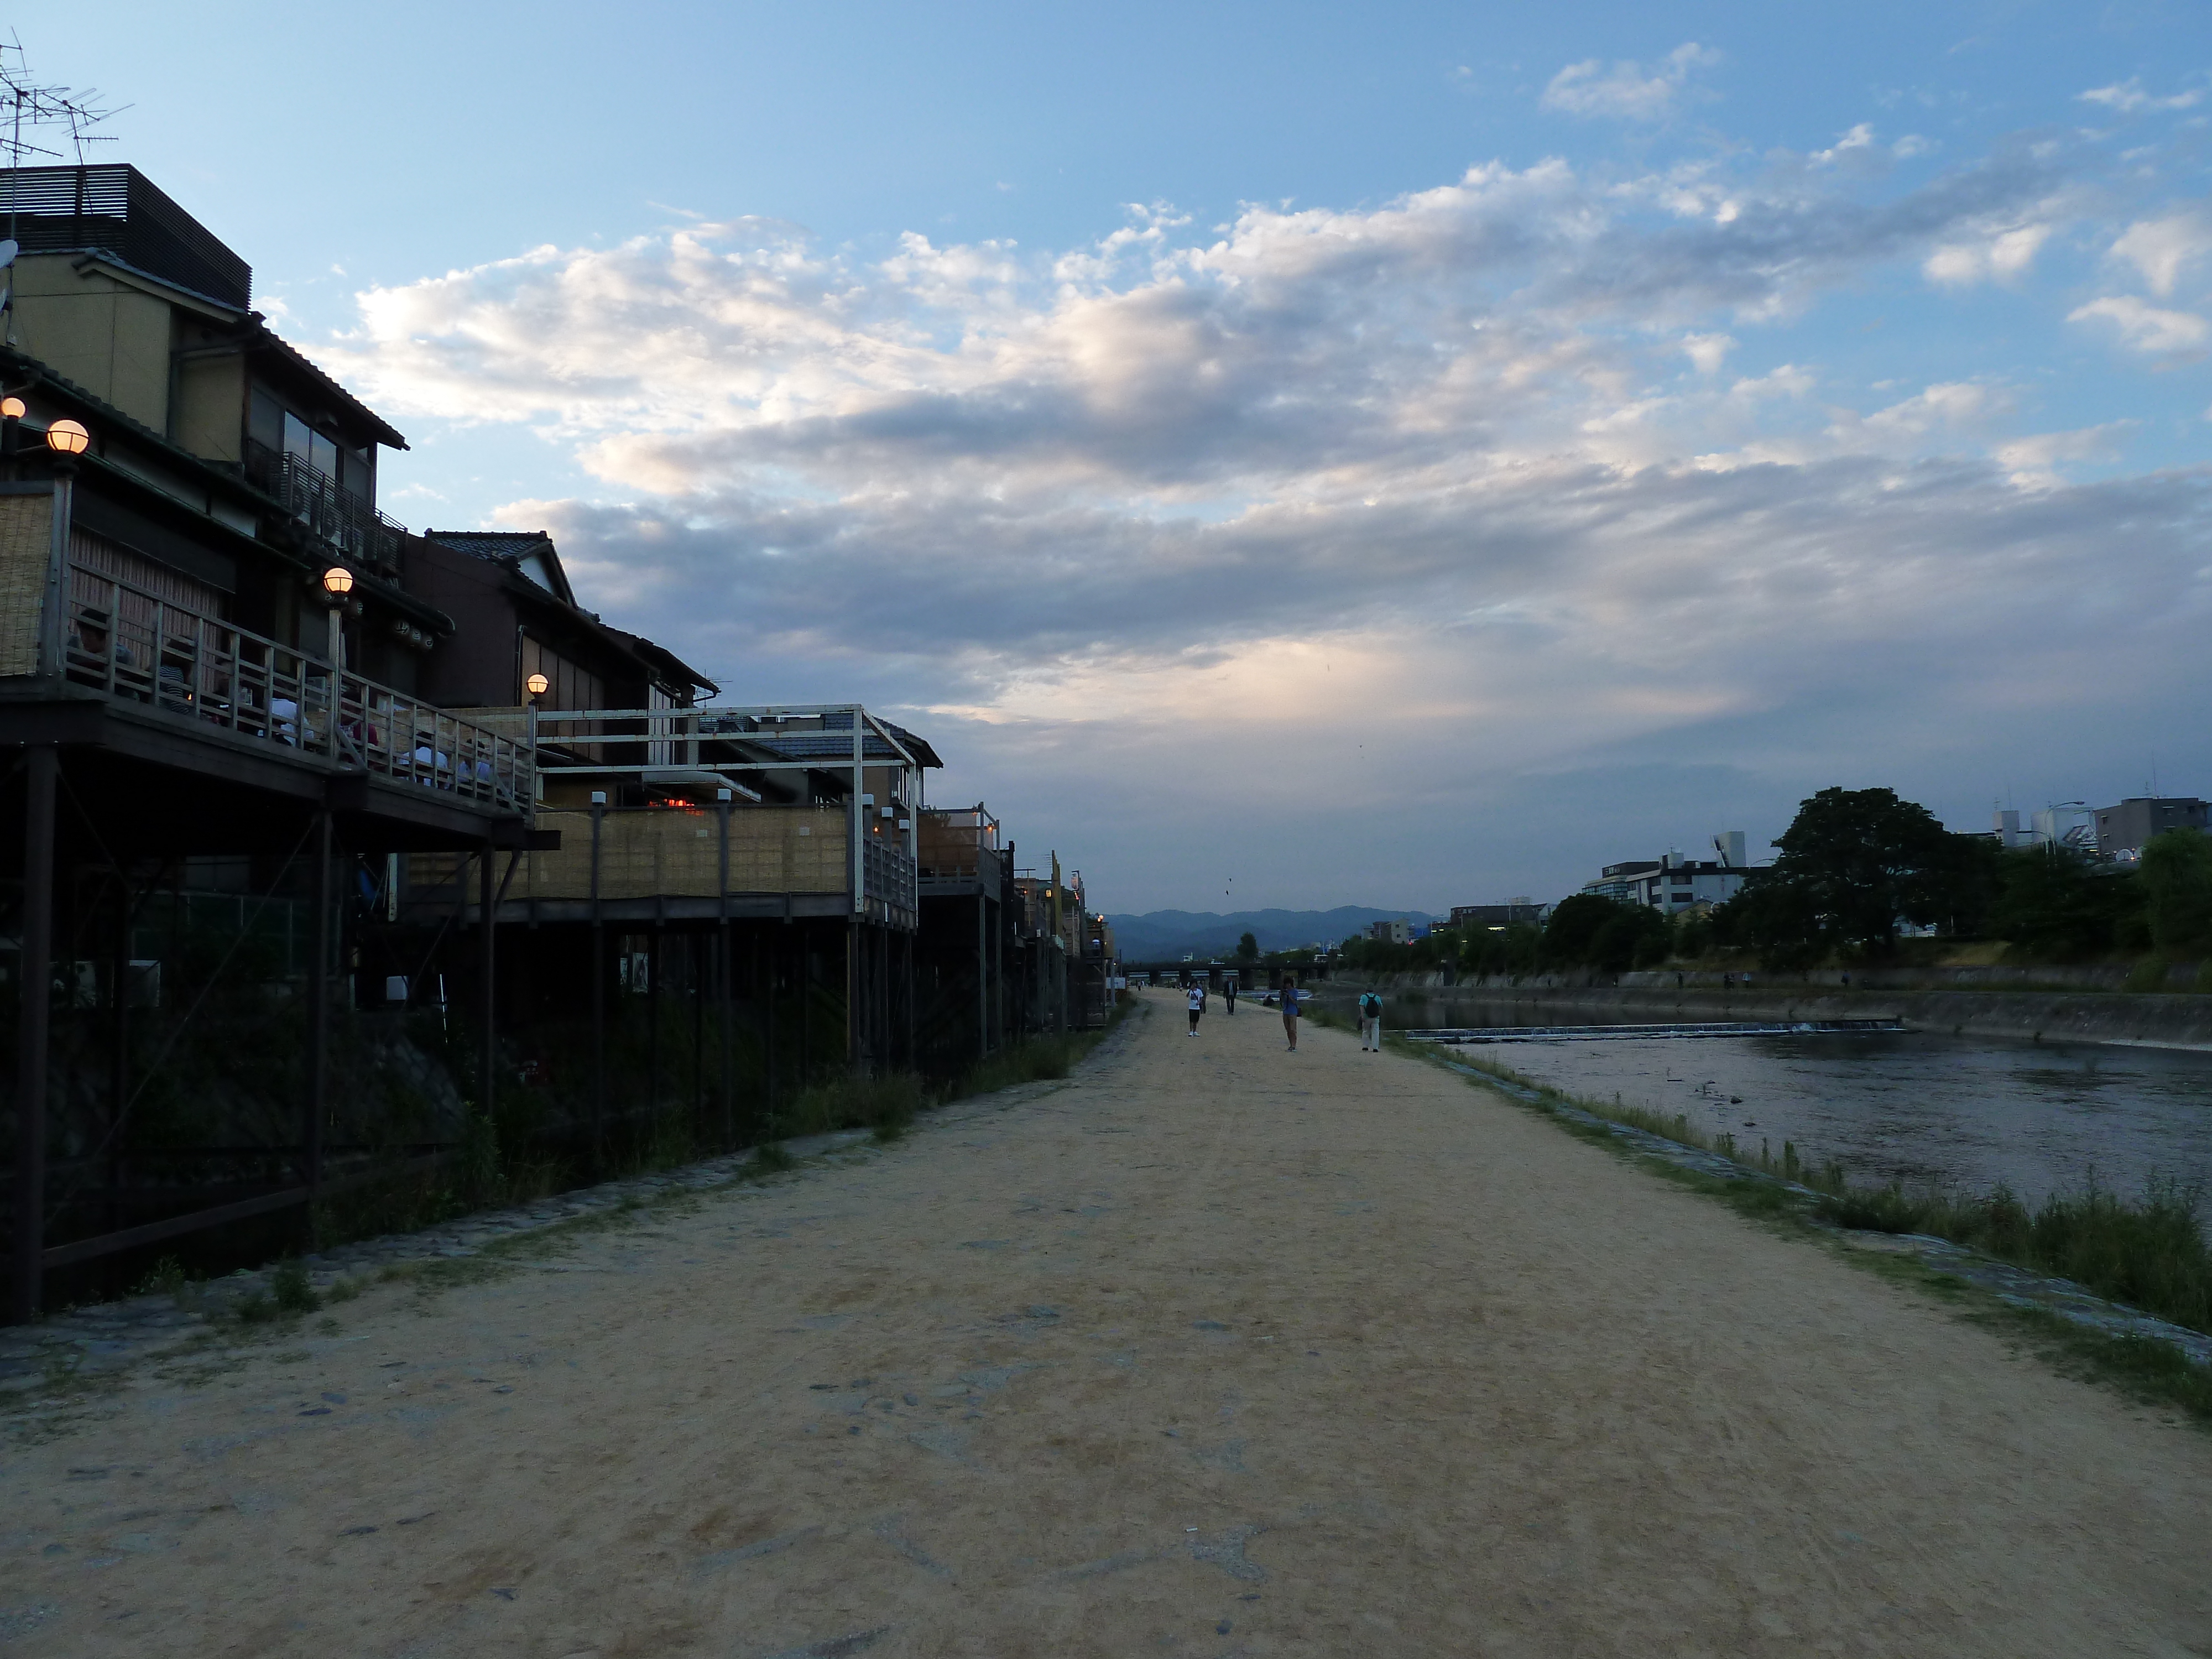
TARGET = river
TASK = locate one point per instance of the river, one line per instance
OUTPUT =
(1962, 1113)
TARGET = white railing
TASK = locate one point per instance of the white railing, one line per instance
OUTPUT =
(136, 645)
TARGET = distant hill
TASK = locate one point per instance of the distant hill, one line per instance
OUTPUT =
(1168, 935)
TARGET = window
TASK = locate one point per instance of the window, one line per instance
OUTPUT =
(310, 446)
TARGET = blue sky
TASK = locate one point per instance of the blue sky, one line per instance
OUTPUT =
(1391, 454)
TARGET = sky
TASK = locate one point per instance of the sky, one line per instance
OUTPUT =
(1283, 454)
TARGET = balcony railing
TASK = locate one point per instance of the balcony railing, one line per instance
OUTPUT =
(349, 524)
(887, 873)
(135, 645)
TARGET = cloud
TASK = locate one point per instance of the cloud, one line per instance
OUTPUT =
(2032, 462)
(1992, 256)
(2145, 327)
(2128, 97)
(1626, 92)
(1706, 352)
(2159, 248)
(1171, 525)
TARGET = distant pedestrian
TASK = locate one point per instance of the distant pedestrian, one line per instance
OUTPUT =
(1291, 1009)
(1196, 999)
(1370, 1023)
(1228, 995)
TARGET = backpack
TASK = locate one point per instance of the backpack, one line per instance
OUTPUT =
(1370, 1006)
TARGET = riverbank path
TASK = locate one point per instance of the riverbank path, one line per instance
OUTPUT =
(1215, 1350)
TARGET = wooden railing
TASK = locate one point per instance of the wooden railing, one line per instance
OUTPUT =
(136, 645)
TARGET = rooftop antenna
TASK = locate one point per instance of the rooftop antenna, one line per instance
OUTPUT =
(35, 110)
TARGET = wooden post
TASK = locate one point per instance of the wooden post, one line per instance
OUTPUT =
(35, 979)
(318, 1009)
(724, 964)
(598, 996)
(487, 999)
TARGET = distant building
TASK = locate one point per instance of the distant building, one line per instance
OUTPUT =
(1399, 932)
(2123, 829)
(2068, 823)
(1672, 883)
(1491, 918)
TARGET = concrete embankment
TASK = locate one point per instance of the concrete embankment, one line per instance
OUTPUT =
(2161, 1021)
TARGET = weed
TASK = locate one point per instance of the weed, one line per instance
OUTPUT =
(292, 1292)
(2147, 975)
(327, 1327)
(770, 1158)
(167, 1278)
(342, 1290)
(256, 1308)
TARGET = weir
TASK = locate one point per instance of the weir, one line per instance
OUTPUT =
(1724, 1028)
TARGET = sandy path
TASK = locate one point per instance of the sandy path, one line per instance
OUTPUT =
(1218, 1351)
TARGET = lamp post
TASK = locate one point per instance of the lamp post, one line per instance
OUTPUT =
(65, 441)
(338, 582)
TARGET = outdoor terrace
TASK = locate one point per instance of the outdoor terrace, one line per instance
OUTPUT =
(124, 666)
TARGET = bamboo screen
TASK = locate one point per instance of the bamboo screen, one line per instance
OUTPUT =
(25, 538)
(665, 850)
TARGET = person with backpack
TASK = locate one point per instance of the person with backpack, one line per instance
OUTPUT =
(1196, 998)
(1371, 1022)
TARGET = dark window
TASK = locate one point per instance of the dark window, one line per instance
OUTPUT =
(310, 446)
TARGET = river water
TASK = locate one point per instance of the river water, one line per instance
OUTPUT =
(1963, 1113)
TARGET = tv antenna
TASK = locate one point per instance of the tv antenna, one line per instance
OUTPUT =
(34, 117)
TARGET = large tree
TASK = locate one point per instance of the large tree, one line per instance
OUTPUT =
(1856, 862)
(2177, 879)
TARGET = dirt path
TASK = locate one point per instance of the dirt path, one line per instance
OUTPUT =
(1219, 1350)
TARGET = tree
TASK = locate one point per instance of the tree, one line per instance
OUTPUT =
(1855, 862)
(2057, 904)
(1248, 948)
(1570, 931)
(2176, 881)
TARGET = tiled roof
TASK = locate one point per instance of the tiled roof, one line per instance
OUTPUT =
(488, 543)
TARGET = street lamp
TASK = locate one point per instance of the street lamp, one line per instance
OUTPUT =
(67, 440)
(338, 582)
(538, 685)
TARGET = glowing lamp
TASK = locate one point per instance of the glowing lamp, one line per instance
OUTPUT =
(68, 438)
(538, 685)
(337, 582)
(11, 408)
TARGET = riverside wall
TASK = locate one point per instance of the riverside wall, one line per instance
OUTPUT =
(2160, 1020)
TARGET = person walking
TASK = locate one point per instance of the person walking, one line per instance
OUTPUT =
(1371, 1022)
(1291, 1009)
(1196, 999)
(1228, 995)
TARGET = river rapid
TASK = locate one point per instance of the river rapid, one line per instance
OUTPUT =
(1962, 1113)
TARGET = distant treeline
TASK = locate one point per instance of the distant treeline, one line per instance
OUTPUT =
(1854, 868)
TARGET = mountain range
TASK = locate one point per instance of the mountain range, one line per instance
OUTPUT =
(1169, 935)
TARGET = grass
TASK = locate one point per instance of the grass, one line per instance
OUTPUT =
(2150, 1253)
